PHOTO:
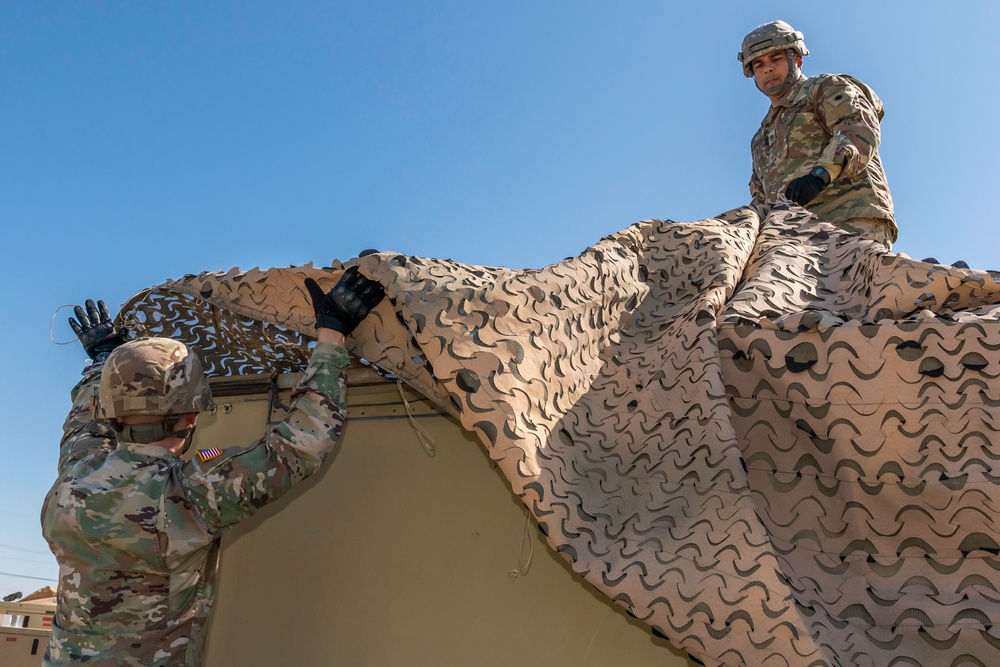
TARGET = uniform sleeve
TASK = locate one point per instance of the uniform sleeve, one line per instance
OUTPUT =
(756, 185)
(82, 434)
(853, 121)
(236, 485)
(756, 189)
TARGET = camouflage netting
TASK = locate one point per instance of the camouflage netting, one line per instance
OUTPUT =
(772, 442)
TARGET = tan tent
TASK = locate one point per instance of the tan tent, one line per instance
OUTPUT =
(46, 594)
(770, 441)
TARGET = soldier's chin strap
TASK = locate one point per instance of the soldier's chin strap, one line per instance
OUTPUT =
(154, 432)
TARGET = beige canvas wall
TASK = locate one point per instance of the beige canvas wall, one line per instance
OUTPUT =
(393, 557)
(22, 647)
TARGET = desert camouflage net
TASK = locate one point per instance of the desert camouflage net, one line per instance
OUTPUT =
(773, 442)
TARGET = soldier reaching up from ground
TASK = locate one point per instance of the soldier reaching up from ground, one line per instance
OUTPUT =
(818, 143)
(134, 527)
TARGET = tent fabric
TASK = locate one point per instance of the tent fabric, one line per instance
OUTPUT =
(46, 595)
(773, 442)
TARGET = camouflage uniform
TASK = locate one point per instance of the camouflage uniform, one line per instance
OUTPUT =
(829, 121)
(136, 529)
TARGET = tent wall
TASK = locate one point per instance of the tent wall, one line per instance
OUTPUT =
(22, 647)
(391, 556)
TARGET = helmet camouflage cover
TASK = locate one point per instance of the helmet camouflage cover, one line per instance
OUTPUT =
(767, 38)
(153, 376)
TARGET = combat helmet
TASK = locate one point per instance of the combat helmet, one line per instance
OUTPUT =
(767, 38)
(152, 376)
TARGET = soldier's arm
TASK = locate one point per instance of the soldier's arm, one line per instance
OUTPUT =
(241, 481)
(757, 193)
(756, 189)
(96, 331)
(853, 121)
(82, 434)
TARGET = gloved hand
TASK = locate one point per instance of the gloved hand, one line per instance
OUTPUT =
(96, 331)
(804, 189)
(349, 302)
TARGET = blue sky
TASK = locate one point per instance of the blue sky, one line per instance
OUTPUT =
(143, 141)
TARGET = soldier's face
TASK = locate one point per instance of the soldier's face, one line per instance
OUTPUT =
(770, 73)
(770, 70)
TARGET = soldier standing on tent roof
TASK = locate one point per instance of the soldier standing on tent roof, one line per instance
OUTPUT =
(818, 143)
(136, 528)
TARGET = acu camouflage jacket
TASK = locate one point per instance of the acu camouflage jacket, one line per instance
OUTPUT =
(136, 529)
(832, 121)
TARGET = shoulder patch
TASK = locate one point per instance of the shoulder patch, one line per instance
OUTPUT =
(209, 454)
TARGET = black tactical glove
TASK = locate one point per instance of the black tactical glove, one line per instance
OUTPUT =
(343, 307)
(804, 189)
(96, 331)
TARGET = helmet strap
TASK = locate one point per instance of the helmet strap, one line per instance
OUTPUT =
(793, 69)
(188, 435)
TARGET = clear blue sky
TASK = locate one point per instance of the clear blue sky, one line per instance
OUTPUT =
(143, 141)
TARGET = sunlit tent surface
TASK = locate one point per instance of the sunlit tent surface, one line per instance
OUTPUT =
(773, 442)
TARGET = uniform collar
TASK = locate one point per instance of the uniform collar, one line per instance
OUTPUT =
(792, 94)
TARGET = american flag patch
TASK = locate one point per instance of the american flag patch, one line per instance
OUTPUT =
(209, 454)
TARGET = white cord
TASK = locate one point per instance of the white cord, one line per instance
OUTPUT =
(523, 566)
(52, 325)
(426, 441)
